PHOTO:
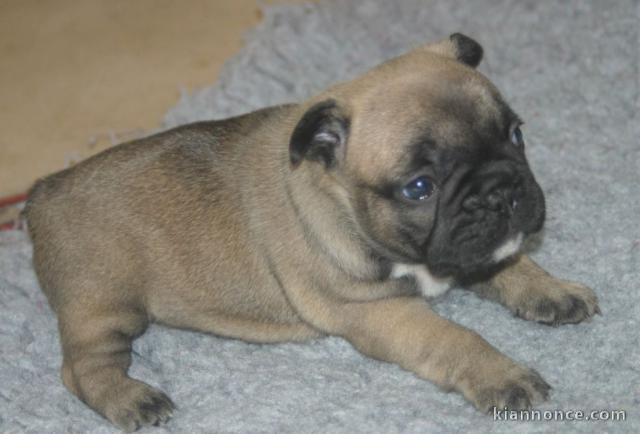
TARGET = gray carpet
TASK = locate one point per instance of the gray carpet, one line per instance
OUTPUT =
(571, 70)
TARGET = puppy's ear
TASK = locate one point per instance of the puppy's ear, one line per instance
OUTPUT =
(321, 135)
(459, 47)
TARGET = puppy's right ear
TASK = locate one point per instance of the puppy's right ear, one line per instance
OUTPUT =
(321, 135)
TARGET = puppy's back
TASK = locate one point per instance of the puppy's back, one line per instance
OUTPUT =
(134, 199)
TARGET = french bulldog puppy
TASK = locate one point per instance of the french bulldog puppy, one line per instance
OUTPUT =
(335, 216)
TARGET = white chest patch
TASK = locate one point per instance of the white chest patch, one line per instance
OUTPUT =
(429, 285)
(509, 248)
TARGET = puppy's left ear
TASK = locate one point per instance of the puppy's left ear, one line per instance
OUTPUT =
(459, 47)
(321, 135)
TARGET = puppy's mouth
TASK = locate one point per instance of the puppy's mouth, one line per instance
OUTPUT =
(463, 259)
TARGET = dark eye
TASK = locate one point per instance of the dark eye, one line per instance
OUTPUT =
(516, 137)
(418, 189)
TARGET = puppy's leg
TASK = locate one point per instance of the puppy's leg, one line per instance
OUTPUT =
(407, 332)
(96, 344)
(532, 293)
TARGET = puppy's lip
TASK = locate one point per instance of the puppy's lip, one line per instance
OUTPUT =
(510, 244)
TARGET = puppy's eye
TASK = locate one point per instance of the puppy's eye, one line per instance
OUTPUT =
(419, 189)
(516, 137)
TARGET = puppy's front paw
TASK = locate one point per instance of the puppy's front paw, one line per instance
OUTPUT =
(138, 405)
(519, 390)
(558, 302)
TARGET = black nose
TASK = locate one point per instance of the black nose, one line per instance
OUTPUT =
(501, 200)
(496, 187)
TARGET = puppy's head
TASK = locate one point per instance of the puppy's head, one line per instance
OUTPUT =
(429, 158)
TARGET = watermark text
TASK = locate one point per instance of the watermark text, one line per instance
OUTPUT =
(558, 415)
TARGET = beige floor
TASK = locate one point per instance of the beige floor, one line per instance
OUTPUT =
(76, 75)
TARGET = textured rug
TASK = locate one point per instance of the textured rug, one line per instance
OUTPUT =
(571, 70)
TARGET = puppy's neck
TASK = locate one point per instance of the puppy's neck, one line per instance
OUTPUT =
(321, 204)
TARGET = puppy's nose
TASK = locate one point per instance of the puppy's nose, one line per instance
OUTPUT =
(501, 200)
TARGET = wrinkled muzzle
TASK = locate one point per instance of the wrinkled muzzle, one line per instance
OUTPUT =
(483, 216)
